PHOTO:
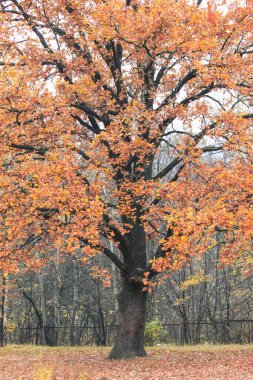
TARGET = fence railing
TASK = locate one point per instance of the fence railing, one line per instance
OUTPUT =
(233, 331)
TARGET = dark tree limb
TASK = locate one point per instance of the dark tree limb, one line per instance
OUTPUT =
(168, 168)
(108, 253)
(85, 124)
(40, 151)
(114, 259)
(121, 239)
(31, 300)
(189, 76)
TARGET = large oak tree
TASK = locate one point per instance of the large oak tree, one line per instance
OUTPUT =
(109, 112)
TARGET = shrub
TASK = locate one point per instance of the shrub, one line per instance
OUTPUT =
(154, 332)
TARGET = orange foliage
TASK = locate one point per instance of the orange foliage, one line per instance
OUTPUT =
(116, 118)
(211, 15)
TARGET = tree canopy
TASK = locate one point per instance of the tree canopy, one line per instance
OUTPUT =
(126, 129)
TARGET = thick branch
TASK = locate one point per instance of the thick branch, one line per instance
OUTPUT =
(30, 148)
(85, 124)
(198, 95)
(121, 239)
(212, 148)
(168, 168)
(190, 75)
(114, 259)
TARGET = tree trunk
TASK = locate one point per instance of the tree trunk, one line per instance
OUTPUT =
(129, 341)
(44, 340)
(3, 313)
(74, 331)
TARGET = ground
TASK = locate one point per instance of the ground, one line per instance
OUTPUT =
(204, 362)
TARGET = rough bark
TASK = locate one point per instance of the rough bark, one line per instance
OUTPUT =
(129, 342)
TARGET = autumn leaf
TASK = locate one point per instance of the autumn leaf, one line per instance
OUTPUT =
(210, 15)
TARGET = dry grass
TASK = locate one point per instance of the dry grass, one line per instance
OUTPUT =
(230, 362)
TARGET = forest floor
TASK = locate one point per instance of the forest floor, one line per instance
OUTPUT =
(204, 362)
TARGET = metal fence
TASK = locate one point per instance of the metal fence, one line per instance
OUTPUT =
(62, 335)
(233, 331)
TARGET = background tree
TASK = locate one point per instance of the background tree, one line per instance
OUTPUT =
(91, 93)
(202, 302)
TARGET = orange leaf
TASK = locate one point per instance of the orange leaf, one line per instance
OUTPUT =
(210, 15)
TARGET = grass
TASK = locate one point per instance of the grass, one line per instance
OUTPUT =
(207, 362)
(206, 347)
